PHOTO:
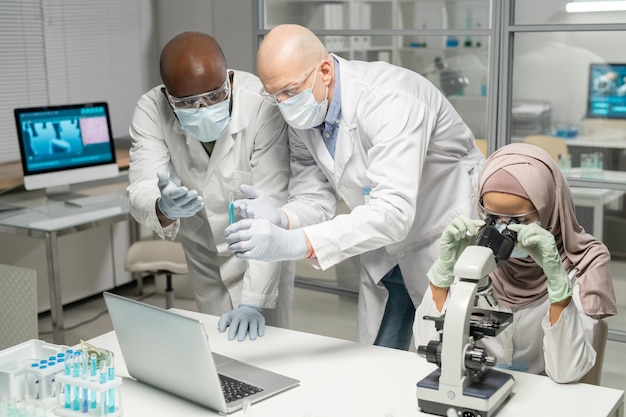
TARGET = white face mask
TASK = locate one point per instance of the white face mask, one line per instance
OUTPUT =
(302, 111)
(207, 124)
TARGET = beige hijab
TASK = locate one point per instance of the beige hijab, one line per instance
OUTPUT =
(521, 281)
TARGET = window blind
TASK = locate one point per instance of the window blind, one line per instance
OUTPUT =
(71, 51)
(22, 67)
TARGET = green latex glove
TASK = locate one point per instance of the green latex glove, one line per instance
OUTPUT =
(541, 246)
(454, 240)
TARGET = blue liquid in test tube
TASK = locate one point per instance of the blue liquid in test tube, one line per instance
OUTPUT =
(231, 209)
(111, 377)
(93, 363)
(68, 371)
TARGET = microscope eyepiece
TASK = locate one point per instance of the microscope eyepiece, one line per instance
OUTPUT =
(501, 243)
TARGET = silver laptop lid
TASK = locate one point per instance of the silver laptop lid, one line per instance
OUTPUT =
(166, 350)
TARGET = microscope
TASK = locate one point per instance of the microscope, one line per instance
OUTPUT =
(465, 382)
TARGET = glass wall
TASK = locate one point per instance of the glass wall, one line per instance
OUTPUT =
(567, 93)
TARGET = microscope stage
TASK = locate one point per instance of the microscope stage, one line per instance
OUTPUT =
(483, 397)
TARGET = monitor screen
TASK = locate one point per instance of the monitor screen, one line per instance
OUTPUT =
(63, 145)
(607, 91)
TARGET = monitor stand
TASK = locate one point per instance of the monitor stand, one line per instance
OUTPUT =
(61, 193)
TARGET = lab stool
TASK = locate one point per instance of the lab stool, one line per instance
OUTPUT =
(157, 257)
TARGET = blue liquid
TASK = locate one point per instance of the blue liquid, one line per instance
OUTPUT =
(231, 213)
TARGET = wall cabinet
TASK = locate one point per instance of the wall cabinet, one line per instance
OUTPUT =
(408, 33)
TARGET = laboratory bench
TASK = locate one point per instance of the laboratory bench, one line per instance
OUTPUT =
(343, 378)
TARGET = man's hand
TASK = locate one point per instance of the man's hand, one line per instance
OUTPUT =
(177, 201)
(261, 240)
(256, 206)
(244, 320)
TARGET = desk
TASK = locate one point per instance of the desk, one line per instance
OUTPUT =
(47, 219)
(596, 198)
(347, 379)
(596, 142)
(11, 175)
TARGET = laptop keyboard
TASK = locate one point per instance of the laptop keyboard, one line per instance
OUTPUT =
(235, 390)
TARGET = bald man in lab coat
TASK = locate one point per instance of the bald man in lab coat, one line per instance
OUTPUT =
(389, 144)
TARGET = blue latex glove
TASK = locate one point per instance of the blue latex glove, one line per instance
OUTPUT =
(256, 206)
(245, 319)
(261, 240)
(454, 240)
(177, 201)
(541, 246)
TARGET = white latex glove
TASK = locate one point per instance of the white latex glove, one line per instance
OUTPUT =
(257, 205)
(541, 246)
(454, 240)
(246, 319)
(262, 240)
(177, 201)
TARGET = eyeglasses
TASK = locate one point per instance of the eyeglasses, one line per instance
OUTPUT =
(522, 218)
(291, 90)
(201, 100)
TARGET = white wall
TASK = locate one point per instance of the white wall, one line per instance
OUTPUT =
(231, 22)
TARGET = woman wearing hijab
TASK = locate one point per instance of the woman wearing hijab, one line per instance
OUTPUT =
(557, 282)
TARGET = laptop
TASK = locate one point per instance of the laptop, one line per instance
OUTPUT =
(171, 352)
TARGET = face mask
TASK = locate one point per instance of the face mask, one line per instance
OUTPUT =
(302, 111)
(519, 253)
(207, 124)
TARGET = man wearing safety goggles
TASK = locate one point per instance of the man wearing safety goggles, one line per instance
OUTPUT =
(385, 141)
(195, 140)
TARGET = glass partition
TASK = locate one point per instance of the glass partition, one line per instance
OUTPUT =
(567, 12)
(568, 91)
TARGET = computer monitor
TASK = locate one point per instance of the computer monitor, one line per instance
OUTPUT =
(607, 91)
(64, 145)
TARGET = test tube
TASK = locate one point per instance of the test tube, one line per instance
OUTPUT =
(84, 373)
(68, 371)
(93, 363)
(76, 374)
(231, 209)
(103, 394)
(111, 377)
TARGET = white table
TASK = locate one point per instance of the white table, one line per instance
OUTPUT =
(596, 142)
(347, 379)
(596, 198)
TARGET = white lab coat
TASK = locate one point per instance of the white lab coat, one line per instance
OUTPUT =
(401, 137)
(253, 151)
(564, 351)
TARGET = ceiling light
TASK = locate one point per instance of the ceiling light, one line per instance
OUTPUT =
(595, 6)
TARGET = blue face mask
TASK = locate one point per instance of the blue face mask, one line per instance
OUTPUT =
(207, 124)
(519, 253)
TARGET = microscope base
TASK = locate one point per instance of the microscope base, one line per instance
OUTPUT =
(482, 398)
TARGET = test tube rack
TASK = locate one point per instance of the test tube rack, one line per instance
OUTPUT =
(15, 361)
(38, 377)
(89, 396)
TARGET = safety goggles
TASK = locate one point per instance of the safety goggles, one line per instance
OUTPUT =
(522, 218)
(291, 90)
(200, 100)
